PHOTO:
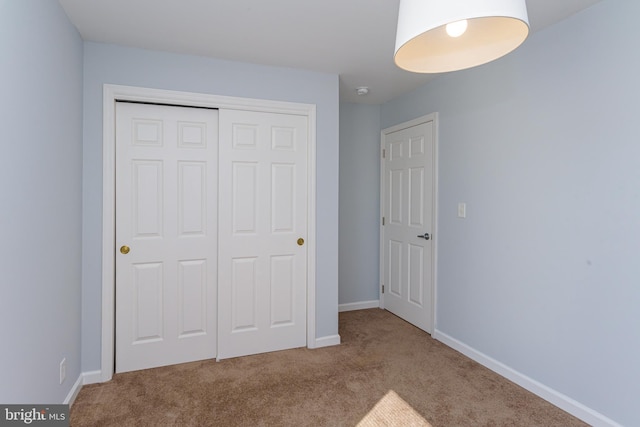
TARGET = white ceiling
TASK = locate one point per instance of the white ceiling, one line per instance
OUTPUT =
(352, 38)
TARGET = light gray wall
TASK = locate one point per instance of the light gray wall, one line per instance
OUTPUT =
(144, 68)
(40, 186)
(543, 145)
(359, 203)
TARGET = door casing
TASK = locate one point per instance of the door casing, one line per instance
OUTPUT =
(434, 230)
(113, 93)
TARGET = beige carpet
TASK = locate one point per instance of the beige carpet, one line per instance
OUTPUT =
(385, 373)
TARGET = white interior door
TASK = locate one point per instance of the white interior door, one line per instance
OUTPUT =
(166, 242)
(262, 232)
(409, 212)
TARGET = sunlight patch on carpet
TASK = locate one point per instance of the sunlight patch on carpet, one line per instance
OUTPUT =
(393, 411)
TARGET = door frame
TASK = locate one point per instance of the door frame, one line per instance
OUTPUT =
(114, 93)
(433, 117)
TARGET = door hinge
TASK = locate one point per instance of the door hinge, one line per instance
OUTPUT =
(383, 289)
(384, 153)
(382, 220)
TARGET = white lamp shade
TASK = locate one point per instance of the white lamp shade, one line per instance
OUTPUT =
(495, 28)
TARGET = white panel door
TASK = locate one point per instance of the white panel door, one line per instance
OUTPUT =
(408, 211)
(262, 232)
(166, 235)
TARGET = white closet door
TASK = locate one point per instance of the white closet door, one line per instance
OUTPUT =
(166, 235)
(262, 232)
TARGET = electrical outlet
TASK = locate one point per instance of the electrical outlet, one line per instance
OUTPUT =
(63, 369)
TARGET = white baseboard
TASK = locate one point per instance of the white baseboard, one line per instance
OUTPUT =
(92, 377)
(556, 398)
(327, 341)
(363, 305)
(73, 393)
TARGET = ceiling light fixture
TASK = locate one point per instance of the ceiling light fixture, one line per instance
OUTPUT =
(362, 90)
(436, 36)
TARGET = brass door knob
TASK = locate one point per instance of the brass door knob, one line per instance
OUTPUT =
(300, 241)
(124, 249)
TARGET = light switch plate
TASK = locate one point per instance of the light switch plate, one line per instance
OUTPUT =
(462, 210)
